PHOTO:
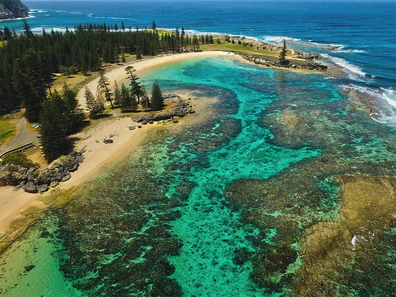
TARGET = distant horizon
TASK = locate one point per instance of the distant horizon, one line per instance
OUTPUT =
(214, 0)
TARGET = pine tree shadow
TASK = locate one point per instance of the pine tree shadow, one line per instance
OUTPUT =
(81, 127)
(71, 141)
(105, 115)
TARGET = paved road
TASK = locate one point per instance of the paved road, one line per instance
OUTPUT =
(23, 136)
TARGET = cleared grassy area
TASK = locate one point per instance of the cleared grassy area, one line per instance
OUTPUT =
(78, 81)
(240, 48)
(72, 81)
(37, 156)
(7, 131)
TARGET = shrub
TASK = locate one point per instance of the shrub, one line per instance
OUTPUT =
(12, 169)
(18, 158)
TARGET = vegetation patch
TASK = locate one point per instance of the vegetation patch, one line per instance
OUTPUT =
(7, 131)
(18, 158)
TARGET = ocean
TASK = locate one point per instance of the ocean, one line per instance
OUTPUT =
(364, 30)
(255, 200)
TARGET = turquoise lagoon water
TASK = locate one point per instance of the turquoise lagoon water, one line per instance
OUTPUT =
(219, 208)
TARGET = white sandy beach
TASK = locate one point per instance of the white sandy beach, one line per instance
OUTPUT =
(12, 203)
(120, 75)
(98, 154)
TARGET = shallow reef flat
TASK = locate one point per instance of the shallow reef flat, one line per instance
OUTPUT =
(285, 188)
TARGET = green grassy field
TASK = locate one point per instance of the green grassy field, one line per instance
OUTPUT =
(236, 47)
(7, 130)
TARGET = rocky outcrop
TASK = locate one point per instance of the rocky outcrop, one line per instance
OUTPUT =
(180, 110)
(307, 56)
(267, 61)
(12, 9)
(35, 181)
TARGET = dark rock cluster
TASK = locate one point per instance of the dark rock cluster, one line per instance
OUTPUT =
(307, 56)
(182, 109)
(270, 63)
(36, 181)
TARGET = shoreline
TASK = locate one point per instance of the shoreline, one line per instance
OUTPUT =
(20, 210)
(18, 207)
(98, 156)
(142, 66)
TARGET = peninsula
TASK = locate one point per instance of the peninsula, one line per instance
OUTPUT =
(12, 9)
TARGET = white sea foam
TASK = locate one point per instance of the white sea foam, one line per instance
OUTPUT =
(270, 39)
(38, 29)
(327, 46)
(199, 33)
(386, 112)
(18, 19)
(56, 29)
(353, 69)
(370, 91)
(37, 11)
(349, 51)
(390, 96)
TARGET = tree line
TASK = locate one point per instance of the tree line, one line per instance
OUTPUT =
(61, 115)
(28, 60)
(128, 99)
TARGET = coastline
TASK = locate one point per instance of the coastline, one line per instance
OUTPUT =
(98, 156)
(142, 66)
(19, 210)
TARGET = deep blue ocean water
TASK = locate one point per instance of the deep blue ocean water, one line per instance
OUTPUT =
(365, 30)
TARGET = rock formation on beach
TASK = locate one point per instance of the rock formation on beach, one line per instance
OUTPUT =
(12, 9)
(38, 181)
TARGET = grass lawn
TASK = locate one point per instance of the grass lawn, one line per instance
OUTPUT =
(236, 47)
(7, 131)
(77, 81)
